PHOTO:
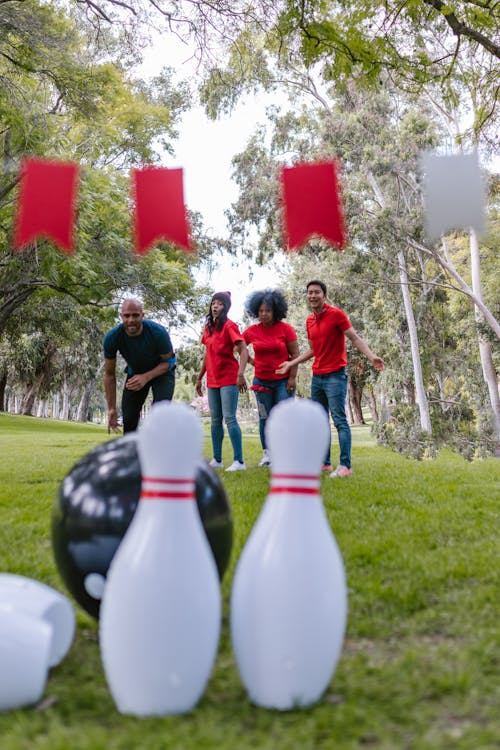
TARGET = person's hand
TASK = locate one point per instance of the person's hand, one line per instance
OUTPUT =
(136, 382)
(242, 384)
(113, 421)
(283, 368)
(199, 387)
(291, 385)
(378, 363)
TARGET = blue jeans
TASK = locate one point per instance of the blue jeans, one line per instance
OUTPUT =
(330, 391)
(267, 399)
(223, 403)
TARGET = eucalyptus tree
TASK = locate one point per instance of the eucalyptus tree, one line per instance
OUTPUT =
(377, 139)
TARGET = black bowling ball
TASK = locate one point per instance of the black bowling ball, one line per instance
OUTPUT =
(96, 503)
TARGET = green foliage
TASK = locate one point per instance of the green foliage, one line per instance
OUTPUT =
(376, 139)
(67, 93)
(418, 540)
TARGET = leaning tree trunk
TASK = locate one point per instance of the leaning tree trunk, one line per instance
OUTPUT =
(489, 373)
(29, 396)
(355, 394)
(422, 403)
(84, 405)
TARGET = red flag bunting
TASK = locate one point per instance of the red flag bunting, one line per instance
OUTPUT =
(312, 205)
(160, 212)
(47, 203)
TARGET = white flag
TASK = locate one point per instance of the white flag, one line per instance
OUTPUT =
(453, 193)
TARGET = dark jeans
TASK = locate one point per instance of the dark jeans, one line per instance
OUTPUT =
(330, 391)
(267, 399)
(133, 401)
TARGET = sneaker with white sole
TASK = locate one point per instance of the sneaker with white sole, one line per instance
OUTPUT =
(237, 466)
(216, 464)
(266, 459)
(341, 471)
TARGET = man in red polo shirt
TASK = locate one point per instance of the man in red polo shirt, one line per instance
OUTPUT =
(327, 327)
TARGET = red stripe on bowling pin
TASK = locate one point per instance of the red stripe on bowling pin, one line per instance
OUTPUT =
(295, 484)
(170, 489)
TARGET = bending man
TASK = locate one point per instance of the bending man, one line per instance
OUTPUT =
(147, 350)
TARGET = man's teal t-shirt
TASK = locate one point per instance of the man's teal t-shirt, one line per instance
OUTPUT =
(141, 353)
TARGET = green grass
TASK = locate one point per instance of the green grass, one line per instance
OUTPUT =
(420, 667)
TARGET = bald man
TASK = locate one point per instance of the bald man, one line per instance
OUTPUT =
(146, 348)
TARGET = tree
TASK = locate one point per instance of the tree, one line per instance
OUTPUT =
(62, 96)
(378, 141)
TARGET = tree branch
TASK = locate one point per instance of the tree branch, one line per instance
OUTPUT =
(460, 29)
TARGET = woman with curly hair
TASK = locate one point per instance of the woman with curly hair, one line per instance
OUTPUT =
(225, 378)
(272, 340)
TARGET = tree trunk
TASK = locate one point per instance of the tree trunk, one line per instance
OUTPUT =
(28, 398)
(12, 403)
(3, 385)
(355, 394)
(489, 373)
(423, 406)
(348, 409)
(421, 396)
(83, 406)
(56, 398)
(372, 402)
(65, 404)
(41, 410)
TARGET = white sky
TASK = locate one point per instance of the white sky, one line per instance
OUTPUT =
(204, 150)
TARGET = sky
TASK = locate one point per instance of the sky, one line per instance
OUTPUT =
(204, 150)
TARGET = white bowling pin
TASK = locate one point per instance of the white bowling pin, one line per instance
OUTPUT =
(25, 645)
(161, 609)
(289, 597)
(38, 600)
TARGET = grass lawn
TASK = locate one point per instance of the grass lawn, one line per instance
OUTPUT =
(420, 667)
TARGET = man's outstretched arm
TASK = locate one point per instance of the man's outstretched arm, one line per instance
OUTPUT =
(363, 347)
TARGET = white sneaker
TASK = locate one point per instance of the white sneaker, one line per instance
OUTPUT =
(237, 466)
(341, 471)
(216, 464)
(266, 459)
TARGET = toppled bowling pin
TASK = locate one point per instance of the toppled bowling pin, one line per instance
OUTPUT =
(25, 648)
(289, 596)
(36, 599)
(161, 608)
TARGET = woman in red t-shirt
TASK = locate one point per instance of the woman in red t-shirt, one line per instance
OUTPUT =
(225, 378)
(273, 341)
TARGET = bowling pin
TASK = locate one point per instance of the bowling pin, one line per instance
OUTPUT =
(161, 608)
(25, 646)
(289, 597)
(38, 600)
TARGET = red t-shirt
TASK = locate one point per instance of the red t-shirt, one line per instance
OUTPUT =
(221, 364)
(325, 331)
(269, 347)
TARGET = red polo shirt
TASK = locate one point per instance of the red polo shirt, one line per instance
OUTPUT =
(222, 366)
(269, 347)
(325, 331)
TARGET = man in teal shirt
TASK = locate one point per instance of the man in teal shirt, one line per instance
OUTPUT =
(147, 349)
